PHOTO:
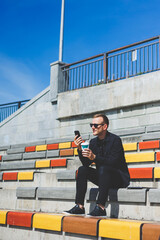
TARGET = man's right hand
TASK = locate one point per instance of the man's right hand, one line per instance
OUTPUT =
(78, 142)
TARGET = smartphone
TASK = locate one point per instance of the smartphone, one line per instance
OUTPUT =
(77, 133)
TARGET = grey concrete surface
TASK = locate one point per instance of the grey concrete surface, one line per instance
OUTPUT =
(16, 165)
(120, 195)
(56, 193)
(133, 109)
(12, 157)
(154, 196)
(129, 92)
(16, 150)
(52, 153)
(66, 175)
(28, 192)
(4, 148)
(34, 155)
(1, 176)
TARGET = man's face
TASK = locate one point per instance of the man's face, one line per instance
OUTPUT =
(101, 128)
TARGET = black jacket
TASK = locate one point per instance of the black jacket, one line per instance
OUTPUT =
(109, 152)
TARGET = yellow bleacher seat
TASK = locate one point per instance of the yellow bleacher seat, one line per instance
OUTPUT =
(41, 148)
(140, 157)
(64, 145)
(25, 176)
(3, 217)
(157, 172)
(42, 163)
(47, 221)
(120, 229)
(130, 146)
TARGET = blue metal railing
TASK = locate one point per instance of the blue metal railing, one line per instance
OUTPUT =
(7, 109)
(128, 61)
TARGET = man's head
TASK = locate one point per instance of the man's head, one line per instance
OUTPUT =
(100, 125)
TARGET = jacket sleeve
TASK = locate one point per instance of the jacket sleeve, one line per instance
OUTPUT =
(113, 156)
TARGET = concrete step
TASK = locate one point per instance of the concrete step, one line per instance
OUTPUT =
(140, 204)
(25, 234)
(8, 198)
(45, 179)
(61, 177)
(35, 225)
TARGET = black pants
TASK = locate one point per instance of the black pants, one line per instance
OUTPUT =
(105, 177)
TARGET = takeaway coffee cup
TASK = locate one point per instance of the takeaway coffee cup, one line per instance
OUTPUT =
(84, 145)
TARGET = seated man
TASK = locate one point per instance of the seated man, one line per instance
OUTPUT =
(111, 171)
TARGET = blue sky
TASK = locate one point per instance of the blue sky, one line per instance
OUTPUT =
(30, 30)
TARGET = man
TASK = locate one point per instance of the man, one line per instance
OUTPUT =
(111, 171)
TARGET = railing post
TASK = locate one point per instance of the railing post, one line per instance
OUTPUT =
(66, 78)
(19, 105)
(105, 67)
(57, 82)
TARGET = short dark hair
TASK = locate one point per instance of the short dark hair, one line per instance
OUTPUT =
(105, 118)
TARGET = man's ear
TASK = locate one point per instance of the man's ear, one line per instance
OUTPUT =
(105, 126)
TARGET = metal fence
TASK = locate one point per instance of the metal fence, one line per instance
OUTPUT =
(7, 109)
(128, 61)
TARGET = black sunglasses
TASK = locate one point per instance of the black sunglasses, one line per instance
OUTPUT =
(96, 125)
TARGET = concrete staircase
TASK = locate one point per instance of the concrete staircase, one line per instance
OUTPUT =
(52, 190)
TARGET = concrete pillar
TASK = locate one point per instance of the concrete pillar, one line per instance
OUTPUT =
(57, 83)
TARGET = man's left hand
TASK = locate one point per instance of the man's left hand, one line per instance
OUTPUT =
(88, 153)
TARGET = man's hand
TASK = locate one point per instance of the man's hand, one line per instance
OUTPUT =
(78, 142)
(89, 154)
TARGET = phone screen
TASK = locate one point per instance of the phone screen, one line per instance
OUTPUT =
(77, 133)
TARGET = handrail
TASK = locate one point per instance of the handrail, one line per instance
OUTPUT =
(127, 61)
(134, 44)
(83, 60)
(111, 51)
(7, 109)
(11, 103)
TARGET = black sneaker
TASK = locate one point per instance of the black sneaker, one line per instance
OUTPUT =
(97, 212)
(75, 210)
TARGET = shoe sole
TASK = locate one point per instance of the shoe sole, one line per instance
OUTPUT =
(66, 213)
(96, 216)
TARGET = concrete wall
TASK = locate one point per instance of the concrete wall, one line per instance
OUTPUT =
(132, 105)
(35, 120)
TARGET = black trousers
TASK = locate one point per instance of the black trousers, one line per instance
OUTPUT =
(104, 177)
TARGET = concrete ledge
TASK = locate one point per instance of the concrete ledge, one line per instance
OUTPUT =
(154, 195)
(23, 145)
(56, 193)
(52, 153)
(18, 165)
(16, 150)
(154, 128)
(12, 157)
(138, 88)
(131, 131)
(1, 176)
(29, 192)
(59, 140)
(120, 195)
(4, 148)
(131, 195)
(28, 144)
(34, 155)
(66, 175)
(115, 195)
(67, 139)
(151, 136)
